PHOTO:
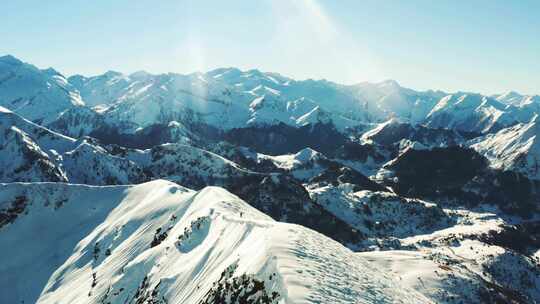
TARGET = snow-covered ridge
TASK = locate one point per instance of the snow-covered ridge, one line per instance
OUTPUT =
(30, 152)
(230, 98)
(516, 148)
(396, 132)
(471, 113)
(45, 137)
(163, 243)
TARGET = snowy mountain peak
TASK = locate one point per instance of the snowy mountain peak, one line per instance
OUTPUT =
(52, 72)
(471, 112)
(514, 148)
(392, 122)
(389, 84)
(306, 155)
(39, 95)
(10, 60)
(509, 97)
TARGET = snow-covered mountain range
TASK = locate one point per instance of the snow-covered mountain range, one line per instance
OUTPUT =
(238, 186)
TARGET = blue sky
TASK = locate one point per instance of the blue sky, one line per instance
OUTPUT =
(479, 45)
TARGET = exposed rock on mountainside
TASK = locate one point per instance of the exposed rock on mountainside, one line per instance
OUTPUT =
(459, 175)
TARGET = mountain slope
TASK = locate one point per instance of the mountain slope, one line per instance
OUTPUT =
(380, 214)
(39, 95)
(187, 165)
(470, 113)
(28, 151)
(516, 148)
(388, 99)
(46, 138)
(224, 98)
(229, 98)
(101, 90)
(393, 131)
(460, 176)
(33, 153)
(161, 243)
(22, 159)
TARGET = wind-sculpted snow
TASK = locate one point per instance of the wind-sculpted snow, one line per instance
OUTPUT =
(96, 246)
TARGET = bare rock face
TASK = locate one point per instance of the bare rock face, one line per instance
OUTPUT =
(461, 175)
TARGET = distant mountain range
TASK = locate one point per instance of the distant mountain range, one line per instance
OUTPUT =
(250, 187)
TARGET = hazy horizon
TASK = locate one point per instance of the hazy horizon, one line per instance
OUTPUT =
(489, 47)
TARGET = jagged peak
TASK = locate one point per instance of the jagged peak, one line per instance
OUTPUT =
(307, 154)
(52, 72)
